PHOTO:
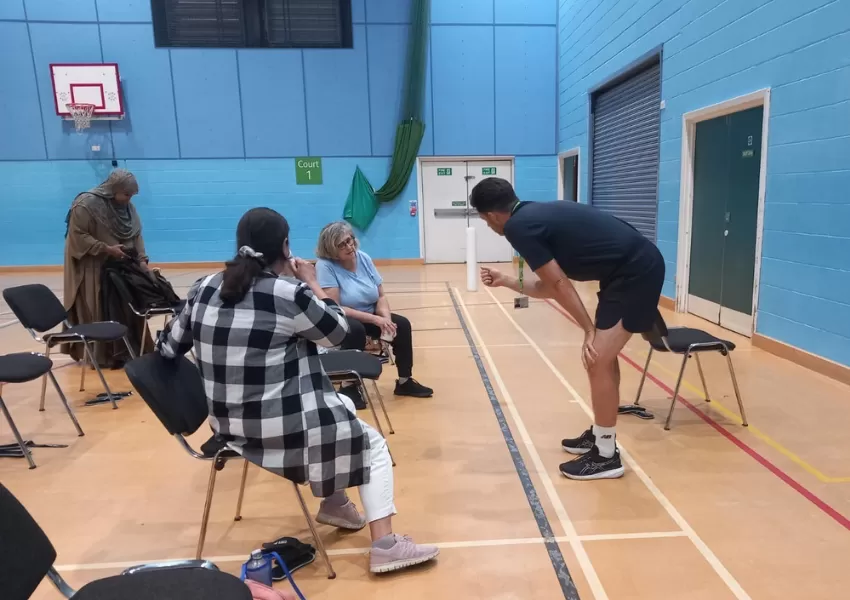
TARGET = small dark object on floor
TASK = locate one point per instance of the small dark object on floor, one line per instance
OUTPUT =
(635, 409)
(353, 392)
(297, 554)
(103, 398)
(14, 451)
(521, 302)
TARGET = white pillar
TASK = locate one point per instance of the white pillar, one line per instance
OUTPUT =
(471, 261)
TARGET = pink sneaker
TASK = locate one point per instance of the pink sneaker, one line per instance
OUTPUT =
(345, 517)
(403, 554)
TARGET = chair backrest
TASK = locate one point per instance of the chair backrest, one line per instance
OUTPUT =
(657, 337)
(26, 553)
(35, 306)
(173, 389)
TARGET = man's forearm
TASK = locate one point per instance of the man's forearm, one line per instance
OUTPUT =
(567, 296)
(533, 289)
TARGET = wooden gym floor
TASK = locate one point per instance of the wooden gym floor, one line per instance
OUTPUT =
(709, 510)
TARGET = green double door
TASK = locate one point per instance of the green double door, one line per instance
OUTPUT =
(727, 161)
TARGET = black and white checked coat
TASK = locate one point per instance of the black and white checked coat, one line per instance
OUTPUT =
(268, 395)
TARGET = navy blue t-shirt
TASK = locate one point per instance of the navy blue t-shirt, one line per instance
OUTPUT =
(588, 244)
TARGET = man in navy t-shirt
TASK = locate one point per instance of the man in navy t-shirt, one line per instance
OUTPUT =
(566, 240)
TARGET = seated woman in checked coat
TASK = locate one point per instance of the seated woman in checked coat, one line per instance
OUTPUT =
(254, 329)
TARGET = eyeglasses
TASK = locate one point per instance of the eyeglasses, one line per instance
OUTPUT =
(349, 241)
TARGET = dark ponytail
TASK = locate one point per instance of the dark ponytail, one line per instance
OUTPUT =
(260, 238)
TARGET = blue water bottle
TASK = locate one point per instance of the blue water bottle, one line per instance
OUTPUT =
(259, 568)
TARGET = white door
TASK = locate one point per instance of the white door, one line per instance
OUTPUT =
(491, 246)
(444, 211)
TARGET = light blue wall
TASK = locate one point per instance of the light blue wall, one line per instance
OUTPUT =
(714, 50)
(212, 132)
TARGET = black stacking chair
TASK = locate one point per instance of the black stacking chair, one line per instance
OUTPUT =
(26, 556)
(688, 342)
(353, 366)
(39, 310)
(21, 368)
(174, 391)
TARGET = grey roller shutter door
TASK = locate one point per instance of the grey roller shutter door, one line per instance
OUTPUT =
(626, 130)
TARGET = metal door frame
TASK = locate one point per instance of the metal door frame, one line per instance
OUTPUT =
(561, 156)
(686, 192)
(420, 192)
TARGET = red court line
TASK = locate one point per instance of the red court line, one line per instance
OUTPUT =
(785, 477)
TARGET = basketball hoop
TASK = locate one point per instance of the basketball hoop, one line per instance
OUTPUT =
(82, 114)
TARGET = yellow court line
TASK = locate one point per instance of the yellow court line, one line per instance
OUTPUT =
(733, 416)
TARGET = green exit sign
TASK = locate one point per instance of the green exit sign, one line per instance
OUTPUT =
(488, 170)
(442, 172)
(308, 170)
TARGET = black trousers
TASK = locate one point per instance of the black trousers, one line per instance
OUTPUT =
(402, 344)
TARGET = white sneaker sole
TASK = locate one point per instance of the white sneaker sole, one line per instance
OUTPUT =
(398, 565)
(339, 523)
(612, 474)
(576, 451)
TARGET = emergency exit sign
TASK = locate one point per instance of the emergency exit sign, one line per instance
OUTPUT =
(443, 172)
(308, 170)
(488, 170)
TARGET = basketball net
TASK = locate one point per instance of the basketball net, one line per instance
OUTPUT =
(81, 114)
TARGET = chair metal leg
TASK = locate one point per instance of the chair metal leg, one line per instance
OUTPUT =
(65, 404)
(685, 358)
(144, 333)
(85, 366)
(207, 504)
(238, 516)
(702, 378)
(17, 434)
(60, 584)
(643, 376)
(44, 380)
(100, 374)
(129, 348)
(737, 391)
(320, 546)
(383, 407)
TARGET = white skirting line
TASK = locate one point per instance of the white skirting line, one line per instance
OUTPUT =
(677, 517)
(112, 566)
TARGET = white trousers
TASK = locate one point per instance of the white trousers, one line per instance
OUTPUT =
(377, 495)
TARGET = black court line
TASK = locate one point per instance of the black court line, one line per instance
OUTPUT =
(568, 586)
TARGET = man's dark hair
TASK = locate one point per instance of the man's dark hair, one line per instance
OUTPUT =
(493, 195)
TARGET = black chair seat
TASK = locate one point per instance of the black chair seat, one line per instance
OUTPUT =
(170, 584)
(98, 332)
(337, 363)
(19, 368)
(681, 338)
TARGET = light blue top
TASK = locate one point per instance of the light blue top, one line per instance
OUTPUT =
(358, 289)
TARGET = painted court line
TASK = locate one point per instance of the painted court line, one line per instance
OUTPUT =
(590, 574)
(354, 551)
(785, 477)
(701, 546)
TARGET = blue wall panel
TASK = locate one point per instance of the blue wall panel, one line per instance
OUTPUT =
(60, 10)
(714, 51)
(12, 9)
(526, 12)
(463, 80)
(462, 12)
(273, 110)
(525, 90)
(150, 128)
(21, 134)
(65, 43)
(138, 11)
(338, 100)
(209, 114)
(213, 132)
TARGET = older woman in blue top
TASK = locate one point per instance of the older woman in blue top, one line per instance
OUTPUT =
(349, 276)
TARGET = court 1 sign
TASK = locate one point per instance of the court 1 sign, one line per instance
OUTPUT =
(308, 170)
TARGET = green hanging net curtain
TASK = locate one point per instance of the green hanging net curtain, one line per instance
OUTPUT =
(363, 201)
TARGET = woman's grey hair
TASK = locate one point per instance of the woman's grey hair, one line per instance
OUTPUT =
(331, 235)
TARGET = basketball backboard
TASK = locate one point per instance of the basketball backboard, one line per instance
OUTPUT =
(97, 84)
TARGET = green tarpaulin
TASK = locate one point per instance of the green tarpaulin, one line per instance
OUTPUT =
(362, 203)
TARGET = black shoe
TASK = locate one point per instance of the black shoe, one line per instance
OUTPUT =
(413, 388)
(580, 445)
(353, 392)
(592, 465)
